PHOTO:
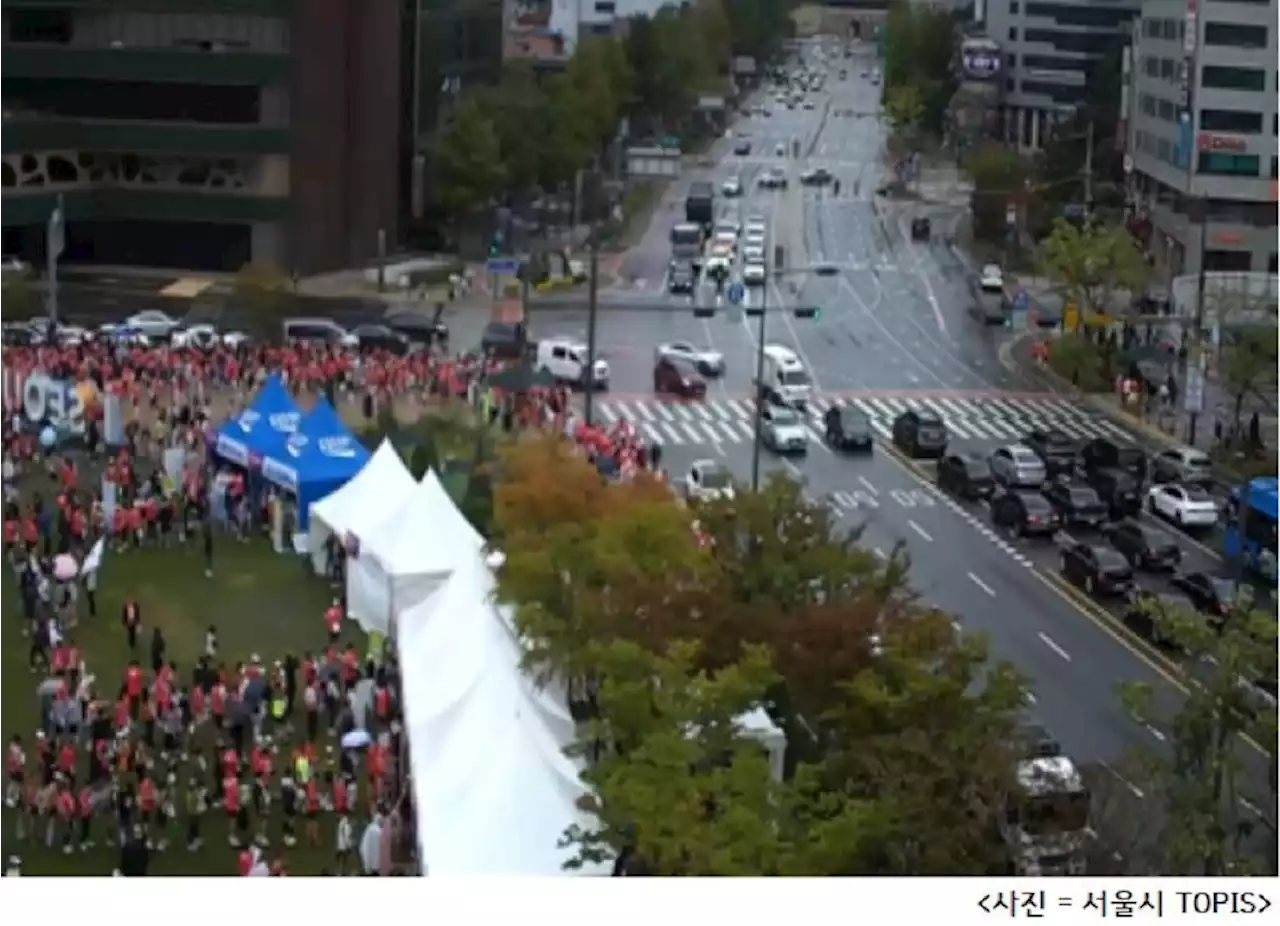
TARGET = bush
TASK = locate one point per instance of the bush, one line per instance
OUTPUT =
(1077, 359)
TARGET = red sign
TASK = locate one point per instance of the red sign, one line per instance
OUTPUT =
(1207, 142)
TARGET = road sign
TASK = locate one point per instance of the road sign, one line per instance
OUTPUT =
(1193, 389)
(503, 265)
(736, 293)
(1021, 301)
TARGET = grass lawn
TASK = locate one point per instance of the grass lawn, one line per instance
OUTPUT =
(260, 602)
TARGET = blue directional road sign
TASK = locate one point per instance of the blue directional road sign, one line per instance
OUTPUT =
(1021, 301)
(503, 265)
(737, 292)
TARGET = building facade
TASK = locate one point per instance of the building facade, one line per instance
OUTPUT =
(1050, 49)
(203, 134)
(1201, 133)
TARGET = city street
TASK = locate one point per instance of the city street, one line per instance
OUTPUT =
(893, 332)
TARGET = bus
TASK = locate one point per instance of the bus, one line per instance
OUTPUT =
(1251, 529)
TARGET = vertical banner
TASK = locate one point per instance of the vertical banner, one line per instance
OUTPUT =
(112, 420)
(277, 523)
(108, 500)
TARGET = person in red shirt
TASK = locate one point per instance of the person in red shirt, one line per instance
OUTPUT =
(84, 806)
(350, 667)
(237, 815)
(67, 760)
(65, 805)
(148, 808)
(133, 688)
(333, 621)
(12, 533)
(218, 703)
(311, 796)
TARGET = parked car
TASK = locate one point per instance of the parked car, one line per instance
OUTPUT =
(1056, 448)
(318, 331)
(1185, 465)
(966, 475)
(1076, 504)
(1119, 490)
(153, 323)
(1146, 611)
(1099, 569)
(847, 428)
(1025, 513)
(783, 430)
(678, 376)
(1211, 595)
(1184, 505)
(920, 434)
(1144, 547)
(1017, 466)
(382, 337)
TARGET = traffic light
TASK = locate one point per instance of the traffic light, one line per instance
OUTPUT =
(495, 244)
(808, 311)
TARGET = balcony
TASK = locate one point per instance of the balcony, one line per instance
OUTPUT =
(236, 68)
(25, 133)
(228, 208)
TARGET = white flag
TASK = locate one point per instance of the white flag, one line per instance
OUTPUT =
(93, 561)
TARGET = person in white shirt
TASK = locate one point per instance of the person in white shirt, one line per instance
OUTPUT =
(371, 846)
(344, 843)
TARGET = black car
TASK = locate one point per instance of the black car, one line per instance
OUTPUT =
(921, 228)
(1210, 594)
(681, 278)
(1145, 609)
(1055, 447)
(1076, 504)
(420, 328)
(1101, 570)
(966, 475)
(848, 429)
(742, 148)
(1025, 512)
(1118, 490)
(1102, 453)
(819, 176)
(1144, 547)
(920, 434)
(382, 337)
(504, 340)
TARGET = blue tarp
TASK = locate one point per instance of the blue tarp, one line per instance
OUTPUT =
(261, 430)
(319, 459)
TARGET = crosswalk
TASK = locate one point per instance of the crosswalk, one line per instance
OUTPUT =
(976, 418)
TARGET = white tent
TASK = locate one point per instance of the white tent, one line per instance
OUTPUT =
(373, 495)
(419, 542)
(759, 726)
(494, 789)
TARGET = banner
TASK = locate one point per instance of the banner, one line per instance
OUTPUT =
(58, 402)
(112, 421)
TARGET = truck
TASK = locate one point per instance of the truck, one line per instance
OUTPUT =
(1045, 821)
(700, 204)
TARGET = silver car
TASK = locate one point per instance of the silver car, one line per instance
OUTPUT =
(1185, 465)
(1018, 466)
(784, 430)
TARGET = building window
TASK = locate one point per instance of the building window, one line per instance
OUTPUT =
(1013, 33)
(1011, 85)
(1013, 8)
(1228, 261)
(1221, 164)
(46, 27)
(1230, 120)
(1235, 35)
(1225, 78)
(1167, 111)
(1167, 68)
(1171, 27)
(606, 7)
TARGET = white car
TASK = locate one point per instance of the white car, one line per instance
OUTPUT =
(123, 334)
(206, 337)
(729, 229)
(1186, 506)
(754, 274)
(991, 279)
(780, 150)
(756, 227)
(708, 480)
(73, 335)
(153, 323)
(808, 104)
(753, 253)
(725, 241)
(706, 361)
(731, 187)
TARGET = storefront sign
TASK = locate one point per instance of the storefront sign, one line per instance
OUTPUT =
(1207, 142)
(1189, 37)
(982, 64)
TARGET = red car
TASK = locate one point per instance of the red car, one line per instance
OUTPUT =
(678, 377)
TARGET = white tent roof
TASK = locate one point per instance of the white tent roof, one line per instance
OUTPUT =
(373, 495)
(424, 534)
(494, 789)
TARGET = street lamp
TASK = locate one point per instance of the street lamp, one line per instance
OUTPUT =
(806, 312)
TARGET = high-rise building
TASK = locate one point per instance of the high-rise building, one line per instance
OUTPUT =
(1050, 49)
(204, 133)
(1201, 132)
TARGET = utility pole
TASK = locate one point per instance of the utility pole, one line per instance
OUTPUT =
(1195, 348)
(55, 242)
(1088, 169)
(593, 305)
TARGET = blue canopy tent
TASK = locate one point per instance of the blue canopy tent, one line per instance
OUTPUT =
(261, 430)
(319, 459)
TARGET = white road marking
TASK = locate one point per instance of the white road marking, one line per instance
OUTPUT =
(919, 530)
(1137, 792)
(1049, 642)
(1154, 732)
(982, 585)
(880, 554)
(867, 482)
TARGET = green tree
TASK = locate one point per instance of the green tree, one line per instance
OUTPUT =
(519, 109)
(469, 169)
(999, 176)
(600, 80)
(919, 45)
(759, 27)
(1248, 368)
(668, 65)
(21, 299)
(904, 108)
(267, 292)
(679, 790)
(1216, 784)
(1095, 267)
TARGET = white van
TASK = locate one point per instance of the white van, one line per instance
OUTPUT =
(566, 360)
(785, 378)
